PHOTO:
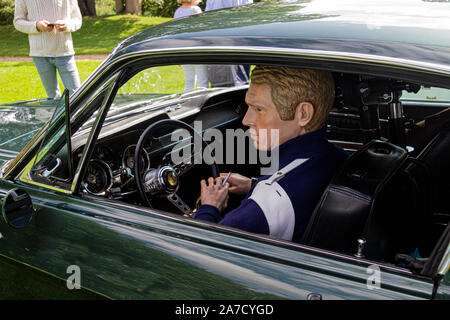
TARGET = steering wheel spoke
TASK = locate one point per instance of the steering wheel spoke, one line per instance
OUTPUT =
(183, 168)
(180, 204)
(164, 181)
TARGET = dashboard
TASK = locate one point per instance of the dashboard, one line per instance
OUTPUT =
(111, 170)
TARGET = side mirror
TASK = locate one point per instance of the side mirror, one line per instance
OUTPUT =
(17, 208)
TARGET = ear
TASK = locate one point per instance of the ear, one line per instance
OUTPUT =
(304, 113)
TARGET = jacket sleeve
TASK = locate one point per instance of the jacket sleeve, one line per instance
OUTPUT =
(248, 216)
(75, 17)
(21, 21)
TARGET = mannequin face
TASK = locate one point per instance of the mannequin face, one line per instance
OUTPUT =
(262, 115)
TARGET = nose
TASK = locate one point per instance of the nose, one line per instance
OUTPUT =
(249, 118)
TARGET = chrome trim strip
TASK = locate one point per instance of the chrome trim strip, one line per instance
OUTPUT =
(3, 168)
(8, 153)
(343, 56)
(350, 143)
(445, 263)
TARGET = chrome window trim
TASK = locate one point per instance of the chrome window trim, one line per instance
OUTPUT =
(109, 85)
(344, 56)
(445, 262)
(340, 56)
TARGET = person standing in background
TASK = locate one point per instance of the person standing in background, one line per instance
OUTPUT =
(227, 75)
(49, 25)
(219, 4)
(192, 72)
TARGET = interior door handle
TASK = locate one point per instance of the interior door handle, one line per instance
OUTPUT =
(47, 173)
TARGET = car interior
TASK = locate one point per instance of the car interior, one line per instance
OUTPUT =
(387, 202)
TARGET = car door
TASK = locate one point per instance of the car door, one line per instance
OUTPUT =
(126, 252)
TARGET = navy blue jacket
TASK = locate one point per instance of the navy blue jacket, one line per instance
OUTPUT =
(303, 185)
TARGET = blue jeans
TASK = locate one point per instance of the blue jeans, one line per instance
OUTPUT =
(67, 69)
(195, 72)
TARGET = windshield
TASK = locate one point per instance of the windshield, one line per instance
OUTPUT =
(164, 86)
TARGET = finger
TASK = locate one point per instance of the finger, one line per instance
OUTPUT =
(232, 189)
(203, 184)
(223, 192)
(218, 182)
(211, 182)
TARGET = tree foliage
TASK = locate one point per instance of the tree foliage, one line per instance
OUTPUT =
(6, 11)
(160, 8)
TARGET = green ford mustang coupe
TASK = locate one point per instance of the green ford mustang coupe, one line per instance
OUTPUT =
(97, 197)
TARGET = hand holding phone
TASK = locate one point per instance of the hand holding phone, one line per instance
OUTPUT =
(60, 25)
(44, 26)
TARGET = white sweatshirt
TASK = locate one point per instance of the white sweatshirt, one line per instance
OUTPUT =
(48, 44)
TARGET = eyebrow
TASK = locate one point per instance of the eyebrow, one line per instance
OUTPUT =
(256, 105)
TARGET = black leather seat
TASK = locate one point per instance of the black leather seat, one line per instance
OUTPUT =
(436, 158)
(372, 196)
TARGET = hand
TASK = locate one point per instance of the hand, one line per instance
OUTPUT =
(43, 26)
(239, 184)
(214, 194)
(60, 25)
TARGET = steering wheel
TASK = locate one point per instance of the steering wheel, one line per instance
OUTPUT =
(164, 181)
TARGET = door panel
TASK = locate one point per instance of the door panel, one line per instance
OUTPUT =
(18, 281)
(126, 252)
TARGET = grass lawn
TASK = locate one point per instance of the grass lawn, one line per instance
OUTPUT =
(97, 35)
(20, 80)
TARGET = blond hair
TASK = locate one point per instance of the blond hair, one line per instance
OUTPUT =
(292, 86)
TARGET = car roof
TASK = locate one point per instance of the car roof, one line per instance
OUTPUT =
(414, 30)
